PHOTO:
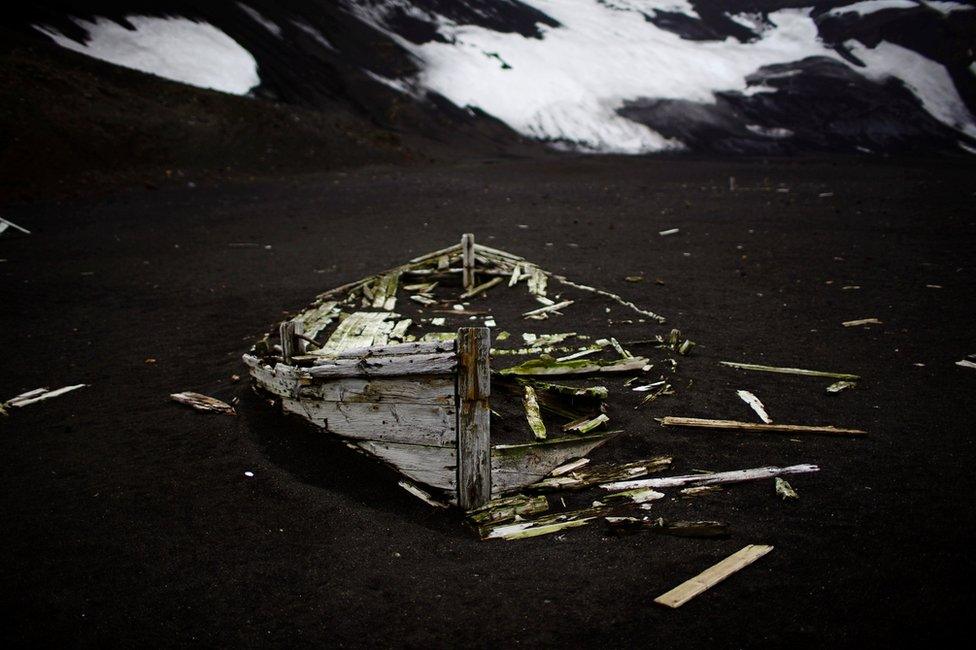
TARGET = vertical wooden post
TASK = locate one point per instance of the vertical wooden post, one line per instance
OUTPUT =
(289, 342)
(467, 259)
(473, 427)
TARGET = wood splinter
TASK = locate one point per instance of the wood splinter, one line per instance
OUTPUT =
(712, 576)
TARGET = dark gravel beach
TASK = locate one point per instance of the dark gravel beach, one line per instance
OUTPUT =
(128, 519)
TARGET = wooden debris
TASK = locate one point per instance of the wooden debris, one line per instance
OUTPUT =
(548, 308)
(838, 386)
(712, 576)
(612, 296)
(514, 466)
(537, 281)
(702, 423)
(474, 291)
(569, 467)
(785, 490)
(702, 529)
(203, 403)
(421, 494)
(586, 424)
(467, 256)
(508, 509)
(639, 495)
(965, 363)
(576, 480)
(37, 395)
(385, 290)
(592, 392)
(736, 476)
(384, 366)
(473, 419)
(789, 371)
(670, 231)
(5, 224)
(549, 366)
(532, 414)
(755, 405)
(544, 525)
(700, 491)
(360, 329)
(861, 321)
(584, 352)
(650, 397)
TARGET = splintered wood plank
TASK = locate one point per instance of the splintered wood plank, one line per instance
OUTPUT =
(361, 329)
(735, 476)
(415, 347)
(407, 364)
(202, 402)
(702, 423)
(419, 424)
(515, 466)
(318, 318)
(712, 576)
(473, 426)
(385, 290)
(436, 390)
(433, 466)
(789, 371)
(266, 378)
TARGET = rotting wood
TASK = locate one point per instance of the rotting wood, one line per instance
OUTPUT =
(421, 494)
(784, 489)
(587, 424)
(498, 511)
(639, 495)
(532, 414)
(433, 389)
(612, 296)
(965, 363)
(318, 318)
(473, 417)
(379, 366)
(290, 343)
(399, 331)
(430, 465)
(712, 576)
(838, 386)
(544, 525)
(203, 403)
(418, 424)
(701, 490)
(703, 423)
(593, 392)
(548, 308)
(537, 281)
(576, 480)
(455, 248)
(384, 293)
(398, 349)
(694, 480)
(495, 252)
(862, 321)
(789, 371)
(569, 467)
(701, 529)
(467, 261)
(516, 466)
(360, 329)
(549, 366)
(474, 291)
(755, 405)
(38, 395)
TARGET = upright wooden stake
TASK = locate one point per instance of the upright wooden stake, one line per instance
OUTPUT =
(467, 253)
(473, 430)
(289, 342)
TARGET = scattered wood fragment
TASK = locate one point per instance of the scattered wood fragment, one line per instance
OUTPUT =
(594, 392)
(36, 395)
(586, 424)
(532, 414)
(700, 491)
(703, 423)
(504, 510)
(716, 478)
(965, 363)
(755, 405)
(544, 525)
(669, 231)
(838, 386)
(612, 296)
(789, 371)
(474, 291)
(784, 489)
(203, 403)
(550, 366)
(5, 224)
(702, 529)
(421, 494)
(548, 308)
(569, 467)
(639, 495)
(861, 321)
(712, 576)
(576, 480)
(650, 397)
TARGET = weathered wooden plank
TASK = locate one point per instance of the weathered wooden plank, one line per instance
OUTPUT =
(361, 329)
(433, 389)
(415, 347)
(289, 341)
(454, 248)
(702, 423)
(735, 476)
(712, 576)
(575, 367)
(473, 430)
(419, 424)
(266, 378)
(515, 466)
(532, 414)
(317, 318)
(385, 290)
(789, 371)
(467, 260)
(199, 402)
(376, 366)
(433, 466)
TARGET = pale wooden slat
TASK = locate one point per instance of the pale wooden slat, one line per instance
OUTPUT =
(515, 466)
(266, 378)
(735, 476)
(703, 423)
(415, 347)
(361, 329)
(409, 364)
(433, 389)
(712, 576)
(433, 466)
(420, 424)
(473, 427)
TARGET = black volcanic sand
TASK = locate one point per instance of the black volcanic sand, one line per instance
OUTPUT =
(128, 519)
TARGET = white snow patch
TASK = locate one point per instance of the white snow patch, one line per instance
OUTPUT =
(268, 24)
(928, 80)
(194, 53)
(870, 6)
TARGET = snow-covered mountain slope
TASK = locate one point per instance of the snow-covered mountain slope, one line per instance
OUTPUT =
(621, 76)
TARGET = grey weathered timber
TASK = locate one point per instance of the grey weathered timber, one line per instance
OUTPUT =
(289, 341)
(433, 466)
(515, 466)
(415, 347)
(418, 424)
(405, 364)
(467, 260)
(473, 433)
(431, 389)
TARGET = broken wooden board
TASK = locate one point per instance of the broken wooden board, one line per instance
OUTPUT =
(284, 384)
(317, 318)
(789, 371)
(544, 366)
(430, 465)
(421, 494)
(515, 466)
(421, 389)
(38, 395)
(532, 414)
(498, 511)
(203, 403)
(544, 525)
(577, 480)
(361, 329)
(703, 423)
(755, 405)
(712, 576)
(593, 392)
(385, 290)
(417, 424)
(838, 386)
(735, 476)
(377, 366)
